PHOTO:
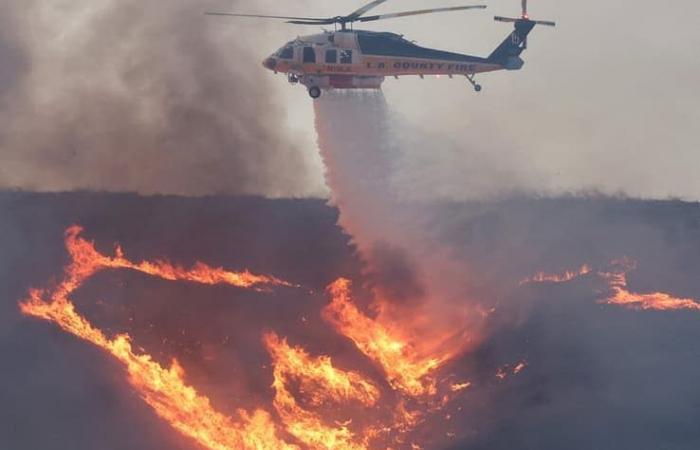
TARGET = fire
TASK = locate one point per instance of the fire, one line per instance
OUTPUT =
(320, 379)
(616, 278)
(308, 390)
(569, 275)
(505, 371)
(658, 301)
(457, 387)
(406, 370)
(322, 382)
(163, 389)
(87, 260)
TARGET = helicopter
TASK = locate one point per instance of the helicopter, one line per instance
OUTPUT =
(358, 59)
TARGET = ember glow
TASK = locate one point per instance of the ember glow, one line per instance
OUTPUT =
(616, 278)
(457, 387)
(568, 275)
(508, 370)
(519, 367)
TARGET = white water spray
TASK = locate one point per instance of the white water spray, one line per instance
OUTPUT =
(413, 274)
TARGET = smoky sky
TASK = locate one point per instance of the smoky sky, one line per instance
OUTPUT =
(606, 102)
(597, 377)
(145, 97)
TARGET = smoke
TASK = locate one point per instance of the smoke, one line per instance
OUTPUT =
(414, 277)
(149, 97)
(586, 113)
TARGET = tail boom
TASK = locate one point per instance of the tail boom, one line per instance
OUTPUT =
(508, 53)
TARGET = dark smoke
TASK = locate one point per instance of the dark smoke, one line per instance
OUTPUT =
(149, 97)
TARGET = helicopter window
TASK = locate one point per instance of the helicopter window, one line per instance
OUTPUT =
(331, 56)
(287, 53)
(309, 55)
(346, 57)
(387, 44)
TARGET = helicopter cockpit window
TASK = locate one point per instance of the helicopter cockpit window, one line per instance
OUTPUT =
(309, 55)
(286, 52)
(346, 57)
(331, 56)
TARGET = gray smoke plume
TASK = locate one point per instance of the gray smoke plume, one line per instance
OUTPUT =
(152, 97)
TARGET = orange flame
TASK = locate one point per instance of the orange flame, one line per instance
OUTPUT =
(569, 275)
(163, 389)
(405, 369)
(457, 387)
(519, 367)
(321, 382)
(505, 371)
(87, 260)
(658, 301)
(621, 295)
(295, 373)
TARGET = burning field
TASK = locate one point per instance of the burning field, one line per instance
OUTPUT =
(376, 322)
(193, 259)
(245, 338)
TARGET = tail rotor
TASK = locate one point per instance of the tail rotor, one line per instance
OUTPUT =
(524, 18)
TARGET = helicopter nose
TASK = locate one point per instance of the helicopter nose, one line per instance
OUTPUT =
(270, 63)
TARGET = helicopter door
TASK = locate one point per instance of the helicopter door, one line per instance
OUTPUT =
(331, 56)
(309, 55)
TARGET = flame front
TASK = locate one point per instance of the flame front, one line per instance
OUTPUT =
(321, 382)
(569, 275)
(319, 406)
(658, 301)
(616, 278)
(164, 389)
(87, 260)
(405, 368)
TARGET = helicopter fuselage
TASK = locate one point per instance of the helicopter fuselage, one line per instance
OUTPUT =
(359, 59)
(353, 59)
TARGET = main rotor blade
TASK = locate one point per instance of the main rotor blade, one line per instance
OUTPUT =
(308, 19)
(418, 12)
(366, 8)
(313, 22)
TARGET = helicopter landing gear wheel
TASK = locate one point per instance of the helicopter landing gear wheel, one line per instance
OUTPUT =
(477, 86)
(314, 92)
